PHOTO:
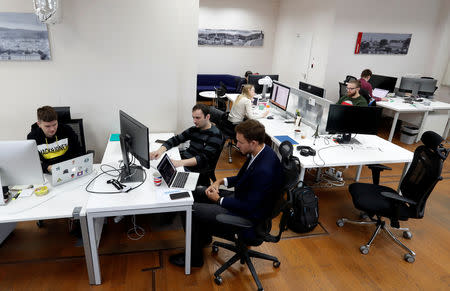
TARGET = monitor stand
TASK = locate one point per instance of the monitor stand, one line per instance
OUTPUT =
(347, 139)
(134, 175)
(4, 193)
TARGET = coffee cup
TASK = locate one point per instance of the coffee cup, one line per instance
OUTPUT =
(157, 179)
(297, 133)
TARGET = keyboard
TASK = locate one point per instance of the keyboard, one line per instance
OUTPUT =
(180, 180)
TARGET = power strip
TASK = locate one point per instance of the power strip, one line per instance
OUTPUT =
(331, 173)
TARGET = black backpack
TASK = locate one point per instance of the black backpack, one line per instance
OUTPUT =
(304, 213)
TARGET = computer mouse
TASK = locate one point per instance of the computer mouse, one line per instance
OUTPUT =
(269, 117)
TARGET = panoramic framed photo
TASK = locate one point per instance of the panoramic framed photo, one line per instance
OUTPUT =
(382, 43)
(230, 37)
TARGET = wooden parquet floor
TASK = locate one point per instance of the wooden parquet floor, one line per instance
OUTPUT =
(49, 258)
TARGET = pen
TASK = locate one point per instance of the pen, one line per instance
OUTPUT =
(15, 196)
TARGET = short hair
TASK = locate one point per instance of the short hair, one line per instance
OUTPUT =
(366, 73)
(252, 129)
(202, 107)
(248, 73)
(357, 83)
(47, 114)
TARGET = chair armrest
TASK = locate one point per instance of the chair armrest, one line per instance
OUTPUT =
(234, 220)
(379, 167)
(397, 197)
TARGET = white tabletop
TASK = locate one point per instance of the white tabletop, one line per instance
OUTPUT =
(146, 196)
(58, 203)
(208, 94)
(373, 149)
(398, 104)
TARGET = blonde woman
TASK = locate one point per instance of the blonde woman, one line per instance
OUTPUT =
(242, 107)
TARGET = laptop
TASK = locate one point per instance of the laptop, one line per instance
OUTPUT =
(72, 169)
(379, 93)
(175, 179)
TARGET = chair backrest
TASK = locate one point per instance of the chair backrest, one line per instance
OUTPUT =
(63, 113)
(349, 78)
(77, 126)
(365, 94)
(424, 173)
(342, 89)
(220, 119)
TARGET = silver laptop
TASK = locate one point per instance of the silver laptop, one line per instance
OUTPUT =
(175, 179)
(380, 93)
(72, 169)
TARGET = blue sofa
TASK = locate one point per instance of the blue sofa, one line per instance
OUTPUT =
(207, 82)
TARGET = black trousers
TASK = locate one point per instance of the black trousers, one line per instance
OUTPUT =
(204, 223)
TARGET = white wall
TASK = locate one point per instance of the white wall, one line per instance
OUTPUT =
(107, 55)
(312, 19)
(238, 14)
(403, 16)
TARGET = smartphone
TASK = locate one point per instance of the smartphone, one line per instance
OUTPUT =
(160, 141)
(179, 195)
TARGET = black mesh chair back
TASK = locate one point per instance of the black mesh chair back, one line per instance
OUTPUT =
(366, 96)
(63, 113)
(77, 126)
(342, 89)
(349, 78)
(421, 178)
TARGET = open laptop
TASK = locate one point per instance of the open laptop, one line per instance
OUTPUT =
(175, 179)
(379, 93)
(72, 169)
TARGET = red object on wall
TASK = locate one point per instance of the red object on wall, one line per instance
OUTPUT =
(358, 43)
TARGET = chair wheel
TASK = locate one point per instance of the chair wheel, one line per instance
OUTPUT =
(409, 258)
(230, 160)
(218, 280)
(407, 234)
(215, 249)
(340, 222)
(364, 250)
(276, 264)
(40, 223)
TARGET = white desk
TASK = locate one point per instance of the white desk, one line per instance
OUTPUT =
(435, 109)
(58, 203)
(146, 199)
(372, 150)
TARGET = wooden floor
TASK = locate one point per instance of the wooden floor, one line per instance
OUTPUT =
(51, 259)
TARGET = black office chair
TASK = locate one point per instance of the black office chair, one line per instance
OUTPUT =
(366, 95)
(381, 201)
(342, 89)
(291, 170)
(221, 97)
(349, 78)
(220, 118)
(208, 174)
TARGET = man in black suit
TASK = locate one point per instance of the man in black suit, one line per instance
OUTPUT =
(254, 187)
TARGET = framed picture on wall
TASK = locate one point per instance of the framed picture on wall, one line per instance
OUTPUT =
(23, 37)
(230, 37)
(382, 43)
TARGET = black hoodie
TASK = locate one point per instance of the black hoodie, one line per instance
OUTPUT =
(62, 146)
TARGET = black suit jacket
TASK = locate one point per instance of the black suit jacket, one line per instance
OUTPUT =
(255, 187)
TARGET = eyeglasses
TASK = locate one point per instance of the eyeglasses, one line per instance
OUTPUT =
(349, 89)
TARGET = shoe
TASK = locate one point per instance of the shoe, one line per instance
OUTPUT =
(178, 260)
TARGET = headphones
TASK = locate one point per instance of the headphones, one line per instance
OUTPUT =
(306, 151)
(119, 186)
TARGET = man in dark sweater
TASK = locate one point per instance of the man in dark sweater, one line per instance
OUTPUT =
(205, 143)
(55, 142)
(353, 98)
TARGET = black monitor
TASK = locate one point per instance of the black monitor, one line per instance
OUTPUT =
(418, 86)
(280, 95)
(133, 140)
(316, 91)
(383, 82)
(353, 119)
(253, 79)
(63, 113)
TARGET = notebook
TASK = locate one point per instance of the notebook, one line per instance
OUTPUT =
(175, 179)
(379, 93)
(72, 169)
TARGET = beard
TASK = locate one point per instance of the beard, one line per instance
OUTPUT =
(351, 94)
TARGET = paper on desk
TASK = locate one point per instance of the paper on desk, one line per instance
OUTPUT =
(26, 193)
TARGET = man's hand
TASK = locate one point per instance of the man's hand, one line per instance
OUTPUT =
(49, 168)
(177, 163)
(212, 193)
(157, 154)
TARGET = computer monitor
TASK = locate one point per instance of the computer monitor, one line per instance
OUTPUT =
(63, 113)
(19, 164)
(253, 79)
(280, 95)
(353, 119)
(383, 82)
(316, 91)
(418, 86)
(133, 140)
